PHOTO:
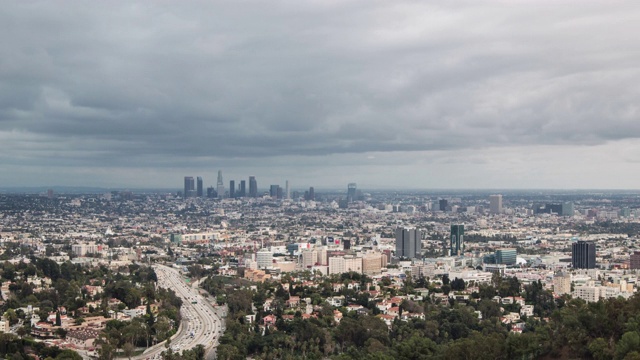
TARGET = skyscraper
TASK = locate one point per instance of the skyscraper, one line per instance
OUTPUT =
(312, 193)
(200, 189)
(351, 192)
(408, 243)
(220, 185)
(189, 186)
(442, 204)
(273, 191)
(232, 188)
(287, 193)
(243, 188)
(495, 204)
(583, 255)
(567, 209)
(253, 186)
(456, 245)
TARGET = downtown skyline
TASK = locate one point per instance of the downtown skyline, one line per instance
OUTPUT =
(389, 95)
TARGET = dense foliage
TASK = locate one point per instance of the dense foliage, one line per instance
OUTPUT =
(561, 328)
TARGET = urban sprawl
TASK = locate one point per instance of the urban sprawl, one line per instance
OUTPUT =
(234, 271)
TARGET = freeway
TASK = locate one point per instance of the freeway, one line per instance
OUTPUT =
(201, 322)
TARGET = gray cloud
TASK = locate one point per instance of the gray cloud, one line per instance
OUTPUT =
(169, 85)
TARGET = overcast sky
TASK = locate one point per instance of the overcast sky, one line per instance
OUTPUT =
(404, 94)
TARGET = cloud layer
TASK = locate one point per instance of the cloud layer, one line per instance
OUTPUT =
(244, 85)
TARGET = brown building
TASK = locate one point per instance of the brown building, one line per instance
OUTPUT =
(634, 261)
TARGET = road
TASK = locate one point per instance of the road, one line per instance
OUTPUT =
(201, 322)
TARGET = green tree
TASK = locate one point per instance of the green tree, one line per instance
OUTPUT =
(629, 342)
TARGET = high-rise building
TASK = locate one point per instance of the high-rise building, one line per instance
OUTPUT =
(273, 191)
(200, 189)
(220, 185)
(634, 260)
(495, 204)
(312, 193)
(442, 204)
(372, 264)
(232, 188)
(336, 265)
(189, 186)
(408, 243)
(243, 188)
(583, 255)
(351, 192)
(309, 258)
(253, 186)
(567, 209)
(287, 193)
(506, 256)
(562, 283)
(456, 245)
(211, 192)
(264, 257)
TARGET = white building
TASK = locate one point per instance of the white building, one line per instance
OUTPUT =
(264, 258)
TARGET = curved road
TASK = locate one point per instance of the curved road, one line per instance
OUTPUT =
(201, 323)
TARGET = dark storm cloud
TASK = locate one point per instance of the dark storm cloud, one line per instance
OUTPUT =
(127, 83)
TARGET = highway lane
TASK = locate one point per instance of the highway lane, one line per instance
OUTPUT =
(202, 324)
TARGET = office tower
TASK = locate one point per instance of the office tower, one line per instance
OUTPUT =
(199, 191)
(253, 186)
(408, 243)
(264, 257)
(287, 193)
(312, 193)
(211, 192)
(232, 188)
(583, 255)
(567, 209)
(346, 244)
(189, 186)
(279, 193)
(456, 245)
(243, 188)
(351, 192)
(506, 256)
(442, 204)
(634, 260)
(495, 204)
(273, 191)
(220, 185)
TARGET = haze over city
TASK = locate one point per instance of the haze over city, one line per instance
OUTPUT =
(528, 94)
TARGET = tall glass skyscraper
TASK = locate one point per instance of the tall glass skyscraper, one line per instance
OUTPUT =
(408, 243)
(583, 255)
(456, 244)
(189, 186)
(253, 187)
(220, 185)
(243, 188)
(200, 189)
(351, 192)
